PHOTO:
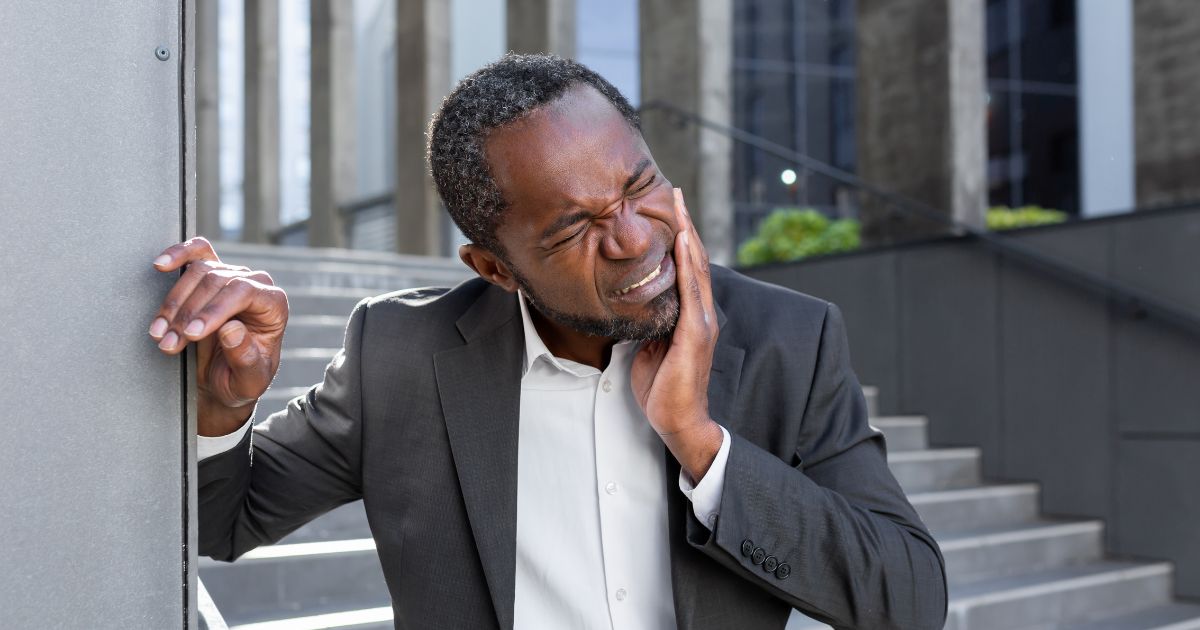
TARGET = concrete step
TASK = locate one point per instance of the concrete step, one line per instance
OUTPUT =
(283, 581)
(903, 433)
(301, 367)
(936, 469)
(337, 302)
(872, 395)
(277, 398)
(378, 618)
(1049, 599)
(315, 331)
(1018, 549)
(1174, 616)
(947, 512)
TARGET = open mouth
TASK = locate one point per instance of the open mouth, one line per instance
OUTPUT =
(650, 276)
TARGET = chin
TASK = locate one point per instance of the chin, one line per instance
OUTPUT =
(656, 322)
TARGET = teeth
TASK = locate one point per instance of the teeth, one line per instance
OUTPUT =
(648, 278)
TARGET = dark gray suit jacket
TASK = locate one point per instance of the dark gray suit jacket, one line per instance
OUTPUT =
(418, 417)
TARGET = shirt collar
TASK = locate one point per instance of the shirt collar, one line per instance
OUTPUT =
(535, 348)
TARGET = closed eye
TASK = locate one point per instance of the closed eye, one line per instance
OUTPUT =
(644, 187)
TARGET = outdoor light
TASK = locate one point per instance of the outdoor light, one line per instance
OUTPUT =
(788, 177)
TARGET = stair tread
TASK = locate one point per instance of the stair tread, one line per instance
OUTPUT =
(1012, 586)
(1173, 616)
(1041, 526)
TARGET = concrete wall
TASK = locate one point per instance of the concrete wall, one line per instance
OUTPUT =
(1166, 70)
(96, 181)
(1054, 384)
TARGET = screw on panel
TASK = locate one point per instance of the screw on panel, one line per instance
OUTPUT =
(162, 53)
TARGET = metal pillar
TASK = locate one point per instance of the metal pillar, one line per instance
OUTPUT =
(921, 127)
(208, 127)
(422, 80)
(686, 51)
(332, 122)
(261, 164)
(541, 26)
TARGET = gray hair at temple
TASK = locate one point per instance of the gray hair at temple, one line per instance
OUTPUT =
(491, 97)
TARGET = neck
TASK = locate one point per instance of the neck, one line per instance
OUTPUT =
(568, 343)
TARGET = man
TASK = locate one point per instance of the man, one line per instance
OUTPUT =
(600, 431)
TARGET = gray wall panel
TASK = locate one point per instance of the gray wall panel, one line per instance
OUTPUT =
(1158, 506)
(948, 336)
(1055, 377)
(1157, 366)
(864, 288)
(93, 450)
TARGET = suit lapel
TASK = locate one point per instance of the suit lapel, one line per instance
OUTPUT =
(692, 601)
(479, 384)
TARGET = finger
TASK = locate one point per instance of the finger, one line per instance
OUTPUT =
(208, 312)
(702, 300)
(181, 293)
(250, 374)
(187, 323)
(697, 244)
(180, 254)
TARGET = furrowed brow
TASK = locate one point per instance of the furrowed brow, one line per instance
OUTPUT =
(563, 222)
(637, 173)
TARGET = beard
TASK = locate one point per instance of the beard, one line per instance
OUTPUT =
(658, 324)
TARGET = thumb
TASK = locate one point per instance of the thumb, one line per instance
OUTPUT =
(239, 350)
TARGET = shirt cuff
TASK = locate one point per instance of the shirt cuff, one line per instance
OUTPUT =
(706, 495)
(209, 446)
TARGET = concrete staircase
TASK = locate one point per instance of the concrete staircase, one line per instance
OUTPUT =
(1008, 566)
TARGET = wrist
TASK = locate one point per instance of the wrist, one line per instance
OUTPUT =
(215, 419)
(696, 447)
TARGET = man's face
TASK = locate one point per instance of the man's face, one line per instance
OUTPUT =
(590, 228)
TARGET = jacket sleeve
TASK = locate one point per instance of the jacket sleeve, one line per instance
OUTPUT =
(844, 544)
(296, 465)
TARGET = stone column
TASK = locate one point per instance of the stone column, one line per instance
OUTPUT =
(686, 53)
(332, 121)
(921, 112)
(208, 127)
(260, 185)
(422, 80)
(541, 26)
(1166, 63)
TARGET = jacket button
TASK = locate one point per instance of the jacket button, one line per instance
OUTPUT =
(770, 564)
(747, 547)
(783, 571)
(758, 555)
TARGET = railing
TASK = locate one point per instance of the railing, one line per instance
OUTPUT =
(1136, 303)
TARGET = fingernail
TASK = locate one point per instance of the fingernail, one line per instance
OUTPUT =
(686, 239)
(162, 260)
(168, 342)
(194, 328)
(233, 338)
(158, 327)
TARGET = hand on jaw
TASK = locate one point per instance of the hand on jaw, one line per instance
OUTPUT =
(670, 377)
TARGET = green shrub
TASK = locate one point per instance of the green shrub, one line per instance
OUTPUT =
(1004, 218)
(795, 233)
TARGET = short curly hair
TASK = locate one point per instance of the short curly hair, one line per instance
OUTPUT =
(491, 97)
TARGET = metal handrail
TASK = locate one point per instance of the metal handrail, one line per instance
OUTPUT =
(210, 617)
(1136, 303)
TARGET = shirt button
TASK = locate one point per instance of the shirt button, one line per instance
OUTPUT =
(621, 594)
(611, 487)
(606, 386)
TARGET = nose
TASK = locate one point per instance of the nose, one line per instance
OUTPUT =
(629, 235)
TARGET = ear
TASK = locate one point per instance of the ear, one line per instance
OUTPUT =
(488, 266)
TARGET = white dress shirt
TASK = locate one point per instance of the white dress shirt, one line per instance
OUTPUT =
(592, 540)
